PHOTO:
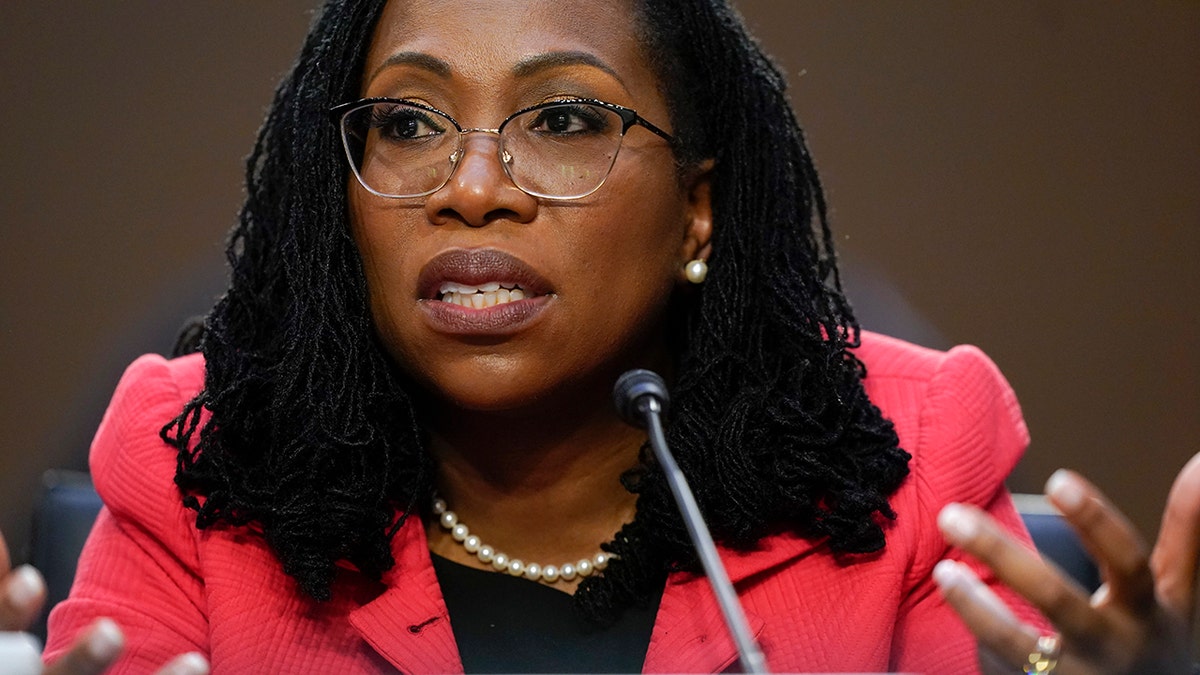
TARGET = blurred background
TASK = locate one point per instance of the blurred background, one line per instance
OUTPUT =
(1018, 175)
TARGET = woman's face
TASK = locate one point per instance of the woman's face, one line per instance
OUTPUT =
(596, 272)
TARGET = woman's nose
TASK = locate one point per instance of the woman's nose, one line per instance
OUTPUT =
(479, 190)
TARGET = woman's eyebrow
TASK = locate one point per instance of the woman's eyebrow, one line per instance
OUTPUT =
(419, 59)
(531, 65)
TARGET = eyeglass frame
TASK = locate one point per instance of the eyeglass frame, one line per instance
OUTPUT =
(629, 118)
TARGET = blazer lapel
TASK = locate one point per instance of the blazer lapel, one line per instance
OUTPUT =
(689, 634)
(408, 624)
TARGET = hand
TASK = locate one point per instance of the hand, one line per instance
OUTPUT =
(22, 593)
(1175, 556)
(1138, 621)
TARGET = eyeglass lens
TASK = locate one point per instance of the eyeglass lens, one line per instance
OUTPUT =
(560, 151)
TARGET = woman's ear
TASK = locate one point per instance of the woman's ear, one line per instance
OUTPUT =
(697, 240)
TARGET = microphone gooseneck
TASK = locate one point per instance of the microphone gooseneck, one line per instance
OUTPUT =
(641, 398)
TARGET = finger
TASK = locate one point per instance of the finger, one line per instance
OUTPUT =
(5, 560)
(22, 593)
(94, 651)
(1178, 548)
(1021, 569)
(191, 663)
(20, 653)
(997, 629)
(991, 663)
(1109, 536)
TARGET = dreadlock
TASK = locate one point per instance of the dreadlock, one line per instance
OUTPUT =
(313, 436)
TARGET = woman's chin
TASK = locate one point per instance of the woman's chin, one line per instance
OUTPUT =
(512, 395)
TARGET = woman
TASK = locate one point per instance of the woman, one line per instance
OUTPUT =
(425, 331)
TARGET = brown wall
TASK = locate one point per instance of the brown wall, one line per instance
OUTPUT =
(1024, 172)
(1027, 173)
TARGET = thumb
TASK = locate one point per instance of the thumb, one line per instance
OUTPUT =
(5, 560)
(1177, 551)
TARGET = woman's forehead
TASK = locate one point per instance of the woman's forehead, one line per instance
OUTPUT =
(490, 39)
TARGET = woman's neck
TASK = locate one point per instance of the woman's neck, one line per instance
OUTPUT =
(542, 486)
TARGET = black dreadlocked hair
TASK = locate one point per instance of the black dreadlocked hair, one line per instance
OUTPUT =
(313, 436)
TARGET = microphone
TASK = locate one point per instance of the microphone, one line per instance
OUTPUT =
(633, 393)
(641, 398)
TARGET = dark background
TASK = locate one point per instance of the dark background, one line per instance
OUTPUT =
(1024, 173)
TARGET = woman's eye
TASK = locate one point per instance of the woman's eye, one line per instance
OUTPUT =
(405, 123)
(575, 119)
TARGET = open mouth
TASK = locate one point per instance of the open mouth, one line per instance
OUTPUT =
(480, 296)
(479, 279)
(481, 293)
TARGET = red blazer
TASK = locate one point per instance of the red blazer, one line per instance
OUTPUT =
(221, 592)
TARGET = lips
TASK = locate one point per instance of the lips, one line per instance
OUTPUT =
(476, 268)
(481, 292)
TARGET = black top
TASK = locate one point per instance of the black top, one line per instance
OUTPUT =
(506, 624)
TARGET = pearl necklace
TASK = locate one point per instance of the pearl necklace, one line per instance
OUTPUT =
(502, 562)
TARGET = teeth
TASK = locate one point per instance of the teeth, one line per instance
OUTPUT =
(482, 296)
(490, 287)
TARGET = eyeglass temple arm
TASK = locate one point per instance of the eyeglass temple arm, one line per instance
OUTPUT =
(630, 118)
(638, 119)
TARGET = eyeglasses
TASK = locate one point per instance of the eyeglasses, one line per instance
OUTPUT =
(555, 150)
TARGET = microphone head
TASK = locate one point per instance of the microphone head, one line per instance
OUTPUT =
(634, 385)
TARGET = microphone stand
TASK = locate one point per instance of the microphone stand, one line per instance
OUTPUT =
(749, 653)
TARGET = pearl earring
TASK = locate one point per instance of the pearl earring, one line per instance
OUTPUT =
(696, 271)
